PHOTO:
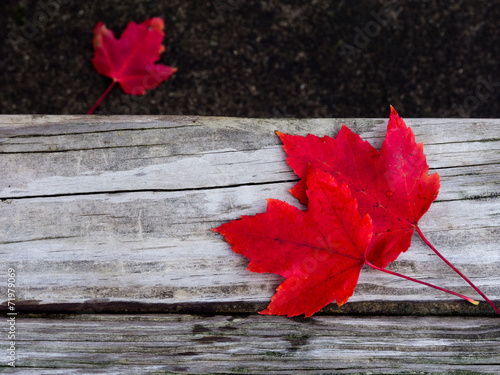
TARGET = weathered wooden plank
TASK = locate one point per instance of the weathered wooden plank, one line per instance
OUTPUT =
(119, 209)
(67, 156)
(153, 247)
(118, 344)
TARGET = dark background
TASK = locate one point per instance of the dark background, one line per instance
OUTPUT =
(263, 58)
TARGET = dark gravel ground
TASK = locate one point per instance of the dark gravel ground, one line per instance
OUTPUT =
(271, 58)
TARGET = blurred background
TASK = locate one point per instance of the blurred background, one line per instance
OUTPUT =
(272, 58)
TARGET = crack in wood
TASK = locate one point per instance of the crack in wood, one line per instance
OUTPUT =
(147, 190)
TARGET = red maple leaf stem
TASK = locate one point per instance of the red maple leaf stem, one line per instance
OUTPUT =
(456, 270)
(110, 87)
(474, 302)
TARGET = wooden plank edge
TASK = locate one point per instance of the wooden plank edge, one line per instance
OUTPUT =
(378, 308)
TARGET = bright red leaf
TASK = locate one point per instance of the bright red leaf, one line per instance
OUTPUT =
(131, 60)
(320, 251)
(391, 185)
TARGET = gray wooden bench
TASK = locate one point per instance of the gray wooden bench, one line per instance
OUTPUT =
(106, 220)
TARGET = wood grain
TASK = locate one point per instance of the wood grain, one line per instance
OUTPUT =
(102, 210)
(228, 344)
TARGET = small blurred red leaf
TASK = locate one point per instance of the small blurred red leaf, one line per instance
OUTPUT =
(131, 59)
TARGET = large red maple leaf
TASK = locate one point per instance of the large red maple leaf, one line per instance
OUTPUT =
(320, 251)
(131, 60)
(391, 185)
